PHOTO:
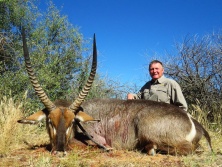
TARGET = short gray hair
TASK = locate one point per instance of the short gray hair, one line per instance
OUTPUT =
(155, 61)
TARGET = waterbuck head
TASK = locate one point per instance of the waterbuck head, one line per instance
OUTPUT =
(60, 115)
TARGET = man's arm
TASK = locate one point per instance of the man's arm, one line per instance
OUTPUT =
(139, 94)
(131, 96)
(177, 96)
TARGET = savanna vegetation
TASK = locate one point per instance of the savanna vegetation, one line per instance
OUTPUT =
(62, 59)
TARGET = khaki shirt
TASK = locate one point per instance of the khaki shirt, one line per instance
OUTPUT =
(163, 90)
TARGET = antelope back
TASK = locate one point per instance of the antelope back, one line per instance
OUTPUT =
(144, 124)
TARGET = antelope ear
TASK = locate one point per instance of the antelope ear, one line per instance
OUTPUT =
(83, 117)
(34, 118)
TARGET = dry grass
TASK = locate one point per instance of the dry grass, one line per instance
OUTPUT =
(13, 135)
(25, 145)
(9, 112)
(199, 112)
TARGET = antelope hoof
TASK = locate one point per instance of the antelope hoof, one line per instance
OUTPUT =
(59, 154)
(152, 152)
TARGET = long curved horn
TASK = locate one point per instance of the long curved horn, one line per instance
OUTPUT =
(76, 104)
(38, 89)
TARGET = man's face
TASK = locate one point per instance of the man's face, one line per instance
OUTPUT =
(156, 71)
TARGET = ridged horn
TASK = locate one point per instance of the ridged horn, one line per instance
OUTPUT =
(38, 89)
(82, 95)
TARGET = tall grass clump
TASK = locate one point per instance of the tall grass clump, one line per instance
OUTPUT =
(10, 112)
(14, 135)
(209, 117)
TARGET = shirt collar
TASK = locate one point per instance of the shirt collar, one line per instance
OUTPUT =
(160, 80)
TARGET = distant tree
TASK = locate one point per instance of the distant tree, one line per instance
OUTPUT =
(197, 66)
(55, 48)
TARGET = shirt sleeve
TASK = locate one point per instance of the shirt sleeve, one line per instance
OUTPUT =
(139, 95)
(177, 96)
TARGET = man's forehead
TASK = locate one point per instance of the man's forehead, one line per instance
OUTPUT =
(154, 65)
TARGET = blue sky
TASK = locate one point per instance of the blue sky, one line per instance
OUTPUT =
(132, 32)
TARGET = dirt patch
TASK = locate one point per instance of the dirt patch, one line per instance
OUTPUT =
(88, 156)
(93, 157)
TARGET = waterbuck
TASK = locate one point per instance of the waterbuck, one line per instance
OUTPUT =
(124, 124)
